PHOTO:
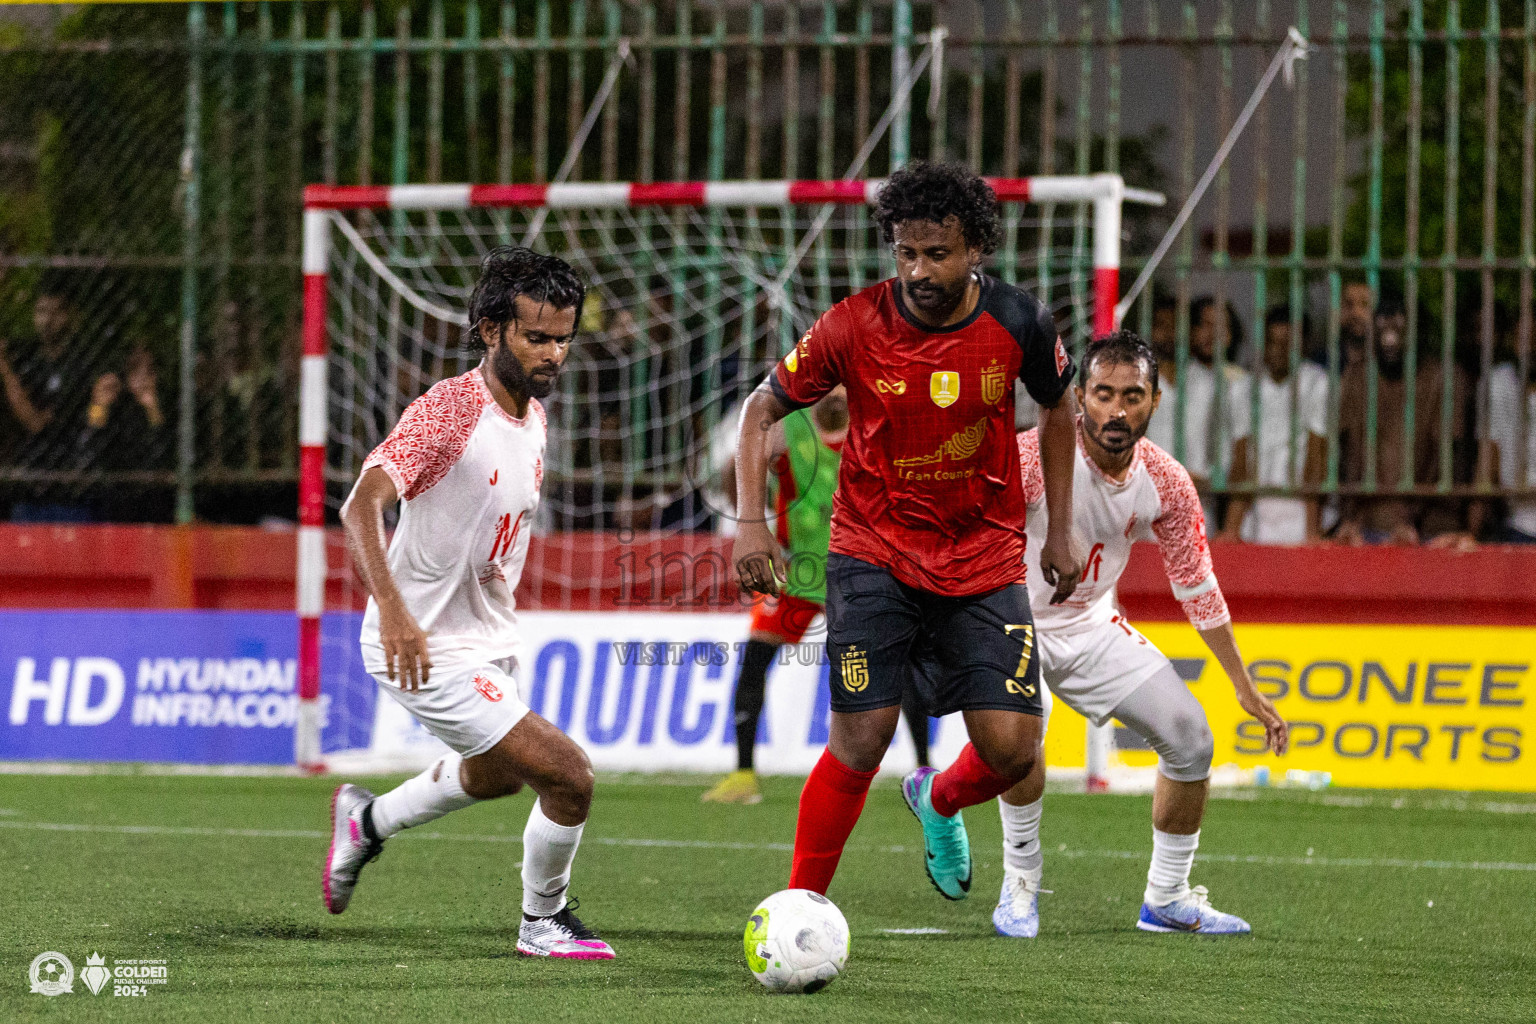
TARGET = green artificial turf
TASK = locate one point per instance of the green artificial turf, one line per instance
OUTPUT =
(224, 885)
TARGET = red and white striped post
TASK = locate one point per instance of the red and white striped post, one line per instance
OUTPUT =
(1106, 192)
(310, 599)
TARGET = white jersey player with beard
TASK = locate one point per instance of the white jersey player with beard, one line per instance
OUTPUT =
(440, 633)
(1126, 489)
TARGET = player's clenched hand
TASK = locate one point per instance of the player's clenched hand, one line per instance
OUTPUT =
(1061, 564)
(759, 562)
(1276, 731)
(405, 644)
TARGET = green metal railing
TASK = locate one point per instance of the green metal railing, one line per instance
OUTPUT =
(1428, 178)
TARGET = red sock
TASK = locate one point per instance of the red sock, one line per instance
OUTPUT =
(967, 782)
(829, 806)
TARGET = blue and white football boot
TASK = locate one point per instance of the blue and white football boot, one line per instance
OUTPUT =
(1191, 913)
(1017, 914)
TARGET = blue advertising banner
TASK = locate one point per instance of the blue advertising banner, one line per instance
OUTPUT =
(199, 687)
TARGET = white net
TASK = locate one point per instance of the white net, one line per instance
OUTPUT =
(683, 319)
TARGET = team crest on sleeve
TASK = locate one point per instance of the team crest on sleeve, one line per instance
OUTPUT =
(1062, 359)
(994, 381)
(944, 388)
(792, 361)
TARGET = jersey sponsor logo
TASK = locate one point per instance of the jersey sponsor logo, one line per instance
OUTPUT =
(1062, 359)
(1094, 563)
(506, 533)
(489, 690)
(494, 475)
(855, 670)
(994, 382)
(944, 388)
(887, 388)
(962, 444)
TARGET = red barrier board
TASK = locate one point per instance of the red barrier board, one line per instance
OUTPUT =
(228, 567)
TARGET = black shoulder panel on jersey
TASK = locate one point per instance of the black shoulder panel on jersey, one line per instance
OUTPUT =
(781, 395)
(1033, 327)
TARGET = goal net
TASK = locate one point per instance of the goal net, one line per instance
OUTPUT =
(695, 291)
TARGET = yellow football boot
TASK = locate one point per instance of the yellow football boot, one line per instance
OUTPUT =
(739, 787)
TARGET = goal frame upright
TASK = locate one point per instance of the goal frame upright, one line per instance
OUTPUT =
(1105, 192)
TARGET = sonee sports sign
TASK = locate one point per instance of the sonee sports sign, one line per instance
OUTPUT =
(1445, 707)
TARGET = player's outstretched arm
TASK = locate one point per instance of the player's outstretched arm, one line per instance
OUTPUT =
(1061, 566)
(759, 562)
(362, 517)
(1223, 643)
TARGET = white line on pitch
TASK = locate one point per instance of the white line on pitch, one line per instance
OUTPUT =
(705, 844)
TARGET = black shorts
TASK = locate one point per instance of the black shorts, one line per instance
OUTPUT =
(963, 653)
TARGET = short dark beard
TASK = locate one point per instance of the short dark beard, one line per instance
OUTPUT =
(514, 378)
(949, 301)
(1096, 435)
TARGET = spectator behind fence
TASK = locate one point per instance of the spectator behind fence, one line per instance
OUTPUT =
(45, 380)
(1388, 519)
(1506, 394)
(126, 431)
(1290, 405)
(1203, 449)
(1356, 305)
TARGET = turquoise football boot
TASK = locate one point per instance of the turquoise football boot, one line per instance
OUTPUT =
(946, 847)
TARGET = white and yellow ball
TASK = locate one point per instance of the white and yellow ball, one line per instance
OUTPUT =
(796, 941)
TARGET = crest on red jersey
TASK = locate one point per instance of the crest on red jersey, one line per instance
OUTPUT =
(489, 690)
(994, 381)
(944, 388)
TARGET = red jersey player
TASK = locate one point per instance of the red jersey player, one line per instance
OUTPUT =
(926, 560)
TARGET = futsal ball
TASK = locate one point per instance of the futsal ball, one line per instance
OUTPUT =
(796, 941)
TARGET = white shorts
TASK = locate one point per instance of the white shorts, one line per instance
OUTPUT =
(469, 708)
(1094, 671)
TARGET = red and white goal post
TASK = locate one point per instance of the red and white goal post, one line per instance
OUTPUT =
(727, 273)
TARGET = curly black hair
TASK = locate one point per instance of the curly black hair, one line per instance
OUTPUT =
(508, 271)
(935, 192)
(1121, 348)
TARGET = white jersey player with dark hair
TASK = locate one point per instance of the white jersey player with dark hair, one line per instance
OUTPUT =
(440, 632)
(1126, 489)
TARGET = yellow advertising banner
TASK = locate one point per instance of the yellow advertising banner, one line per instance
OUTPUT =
(1438, 707)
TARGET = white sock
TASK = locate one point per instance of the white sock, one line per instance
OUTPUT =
(1172, 857)
(548, 850)
(1022, 855)
(429, 795)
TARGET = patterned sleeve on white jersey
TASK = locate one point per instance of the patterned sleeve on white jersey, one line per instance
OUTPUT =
(1029, 466)
(1180, 531)
(431, 436)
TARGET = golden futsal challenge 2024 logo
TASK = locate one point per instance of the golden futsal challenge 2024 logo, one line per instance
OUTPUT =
(53, 974)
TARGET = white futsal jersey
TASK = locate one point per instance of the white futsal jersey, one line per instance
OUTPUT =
(1090, 656)
(468, 474)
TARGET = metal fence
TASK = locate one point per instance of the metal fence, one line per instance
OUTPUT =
(152, 160)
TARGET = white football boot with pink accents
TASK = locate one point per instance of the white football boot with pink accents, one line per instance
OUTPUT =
(562, 936)
(351, 847)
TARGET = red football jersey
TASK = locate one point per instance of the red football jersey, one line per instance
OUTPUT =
(929, 486)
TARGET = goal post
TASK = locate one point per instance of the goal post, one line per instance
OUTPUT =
(696, 288)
